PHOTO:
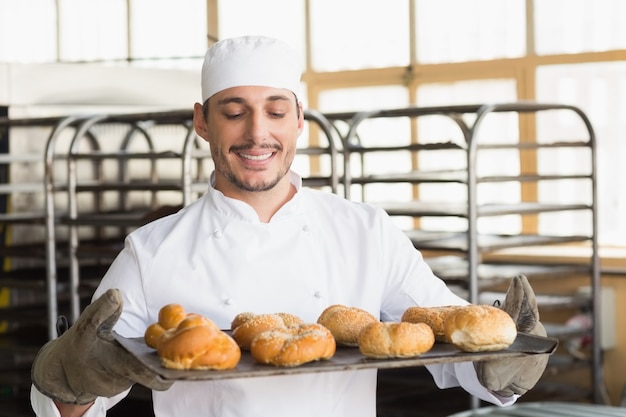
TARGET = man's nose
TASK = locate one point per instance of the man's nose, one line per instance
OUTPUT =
(258, 127)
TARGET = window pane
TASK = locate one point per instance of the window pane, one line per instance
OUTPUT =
(373, 132)
(600, 91)
(92, 31)
(356, 34)
(254, 17)
(469, 30)
(362, 98)
(467, 92)
(495, 128)
(169, 29)
(18, 41)
(583, 26)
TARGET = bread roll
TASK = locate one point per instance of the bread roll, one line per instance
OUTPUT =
(240, 319)
(294, 345)
(435, 317)
(478, 328)
(197, 343)
(346, 323)
(383, 340)
(169, 317)
(246, 326)
(290, 319)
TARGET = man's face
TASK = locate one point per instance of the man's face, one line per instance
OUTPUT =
(252, 132)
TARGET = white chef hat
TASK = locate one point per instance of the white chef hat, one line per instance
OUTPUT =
(250, 60)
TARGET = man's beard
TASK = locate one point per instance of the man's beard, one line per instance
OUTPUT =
(267, 185)
(264, 186)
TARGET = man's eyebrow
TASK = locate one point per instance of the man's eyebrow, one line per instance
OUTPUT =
(241, 100)
(278, 97)
(228, 100)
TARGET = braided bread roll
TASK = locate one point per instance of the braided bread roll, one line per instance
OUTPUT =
(197, 343)
(246, 326)
(294, 345)
(170, 316)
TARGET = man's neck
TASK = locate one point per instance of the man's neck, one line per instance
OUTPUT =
(265, 203)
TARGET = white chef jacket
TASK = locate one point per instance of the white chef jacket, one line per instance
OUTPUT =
(216, 258)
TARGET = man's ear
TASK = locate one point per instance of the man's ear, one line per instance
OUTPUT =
(301, 118)
(199, 121)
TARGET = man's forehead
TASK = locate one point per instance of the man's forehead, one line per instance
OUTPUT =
(253, 94)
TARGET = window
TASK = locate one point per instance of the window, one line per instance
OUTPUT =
(358, 34)
(367, 54)
(599, 89)
(583, 26)
(17, 20)
(470, 30)
(155, 33)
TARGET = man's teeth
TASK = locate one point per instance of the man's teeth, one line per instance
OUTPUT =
(256, 157)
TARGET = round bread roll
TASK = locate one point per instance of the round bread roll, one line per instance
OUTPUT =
(346, 323)
(246, 326)
(169, 317)
(478, 328)
(435, 317)
(294, 345)
(382, 340)
(197, 344)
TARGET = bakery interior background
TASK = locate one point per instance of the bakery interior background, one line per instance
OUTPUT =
(60, 57)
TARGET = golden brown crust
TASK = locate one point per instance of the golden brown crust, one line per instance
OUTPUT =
(245, 333)
(240, 319)
(435, 317)
(152, 334)
(346, 323)
(383, 340)
(290, 319)
(294, 345)
(478, 328)
(170, 315)
(198, 345)
(190, 341)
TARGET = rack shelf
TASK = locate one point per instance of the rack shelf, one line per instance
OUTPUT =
(457, 183)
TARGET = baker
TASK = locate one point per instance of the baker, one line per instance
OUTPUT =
(258, 241)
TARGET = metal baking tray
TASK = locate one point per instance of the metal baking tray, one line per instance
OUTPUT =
(345, 358)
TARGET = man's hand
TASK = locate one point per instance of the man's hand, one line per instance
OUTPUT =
(516, 375)
(86, 362)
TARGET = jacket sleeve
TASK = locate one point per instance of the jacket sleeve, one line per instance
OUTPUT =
(44, 406)
(410, 282)
(463, 374)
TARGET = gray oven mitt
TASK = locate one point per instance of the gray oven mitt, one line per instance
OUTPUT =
(86, 362)
(516, 375)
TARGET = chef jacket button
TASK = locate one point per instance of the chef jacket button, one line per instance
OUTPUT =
(317, 294)
(217, 234)
(305, 228)
(227, 301)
